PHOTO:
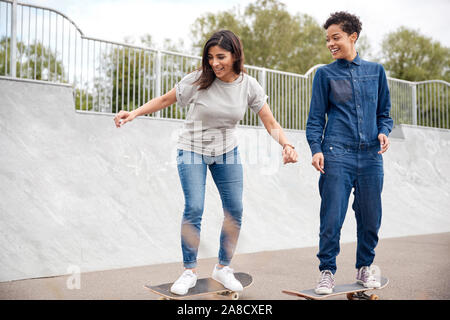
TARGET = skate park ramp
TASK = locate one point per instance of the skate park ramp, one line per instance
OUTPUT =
(77, 192)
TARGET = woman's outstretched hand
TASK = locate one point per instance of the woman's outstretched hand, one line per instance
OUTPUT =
(123, 117)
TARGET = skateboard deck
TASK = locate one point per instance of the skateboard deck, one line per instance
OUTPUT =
(352, 290)
(204, 286)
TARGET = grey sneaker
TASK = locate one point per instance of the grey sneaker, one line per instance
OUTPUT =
(367, 277)
(326, 283)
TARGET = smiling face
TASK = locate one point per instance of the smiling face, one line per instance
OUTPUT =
(221, 61)
(340, 43)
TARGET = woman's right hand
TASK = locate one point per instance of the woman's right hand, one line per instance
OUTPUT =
(123, 117)
(318, 161)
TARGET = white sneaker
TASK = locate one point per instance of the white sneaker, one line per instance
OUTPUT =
(325, 284)
(226, 277)
(367, 277)
(186, 281)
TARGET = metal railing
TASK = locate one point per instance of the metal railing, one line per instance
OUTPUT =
(43, 44)
(431, 104)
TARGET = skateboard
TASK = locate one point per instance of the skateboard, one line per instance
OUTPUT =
(354, 291)
(204, 286)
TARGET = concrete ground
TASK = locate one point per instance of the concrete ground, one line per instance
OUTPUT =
(417, 266)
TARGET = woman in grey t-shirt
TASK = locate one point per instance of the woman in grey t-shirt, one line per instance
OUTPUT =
(218, 94)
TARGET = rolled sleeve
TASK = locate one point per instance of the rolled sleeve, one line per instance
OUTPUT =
(185, 90)
(257, 98)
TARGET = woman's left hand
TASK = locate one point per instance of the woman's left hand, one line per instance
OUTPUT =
(289, 155)
(384, 143)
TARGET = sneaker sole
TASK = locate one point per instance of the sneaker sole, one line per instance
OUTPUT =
(235, 290)
(324, 291)
(182, 294)
(366, 285)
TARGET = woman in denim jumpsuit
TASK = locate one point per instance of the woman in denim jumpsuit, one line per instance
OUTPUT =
(347, 131)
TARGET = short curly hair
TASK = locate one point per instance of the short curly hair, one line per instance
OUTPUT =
(348, 22)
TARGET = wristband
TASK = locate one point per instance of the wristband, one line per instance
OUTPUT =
(287, 144)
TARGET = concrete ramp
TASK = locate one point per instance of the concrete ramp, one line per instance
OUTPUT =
(79, 194)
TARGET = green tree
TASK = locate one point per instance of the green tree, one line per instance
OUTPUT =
(129, 75)
(364, 48)
(207, 24)
(409, 55)
(37, 62)
(272, 37)
(32, 62)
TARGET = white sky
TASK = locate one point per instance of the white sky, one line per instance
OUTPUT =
(116, 19)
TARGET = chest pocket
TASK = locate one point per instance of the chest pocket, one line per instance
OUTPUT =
(369, 86)
(341, 90)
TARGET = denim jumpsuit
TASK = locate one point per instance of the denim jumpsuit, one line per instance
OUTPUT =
(349, 108)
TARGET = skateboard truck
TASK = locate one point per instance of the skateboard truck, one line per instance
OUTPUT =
(361, 296)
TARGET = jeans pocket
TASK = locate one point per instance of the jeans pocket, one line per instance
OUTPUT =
(374, 155)
(333, 150)
(179, 156)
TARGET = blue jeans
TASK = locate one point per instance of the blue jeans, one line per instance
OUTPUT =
(347, 167)
(226, 171)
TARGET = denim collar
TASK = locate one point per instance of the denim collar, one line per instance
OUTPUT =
(356, 61)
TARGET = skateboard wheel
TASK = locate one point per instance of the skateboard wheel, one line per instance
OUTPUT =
(374, 297)
(234, 296)
(350, 296)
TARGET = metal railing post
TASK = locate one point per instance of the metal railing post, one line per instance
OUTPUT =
(13, 38)
(414, 103)
(158, 79)
(263, 82)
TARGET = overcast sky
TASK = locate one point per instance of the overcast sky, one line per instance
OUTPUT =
(117, 19)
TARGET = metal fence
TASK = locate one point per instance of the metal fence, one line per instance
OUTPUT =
(43, 44)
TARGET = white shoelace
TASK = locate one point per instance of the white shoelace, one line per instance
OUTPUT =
(326, 280)
(185, 278)
(367, 274)
(228, 273)
(228, 269)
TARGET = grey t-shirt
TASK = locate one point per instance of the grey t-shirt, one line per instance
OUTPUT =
(210, 126)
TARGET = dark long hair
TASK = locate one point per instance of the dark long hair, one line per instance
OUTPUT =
(228, 41)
